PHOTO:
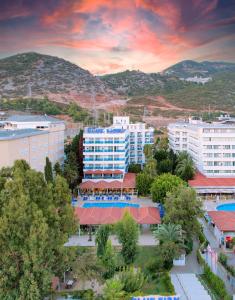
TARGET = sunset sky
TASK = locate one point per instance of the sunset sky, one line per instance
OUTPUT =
(107, 36)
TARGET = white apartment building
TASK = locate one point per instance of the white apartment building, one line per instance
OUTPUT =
(106, 153)
(32, 145)
(140, 135)
(55, 129)
(211, 145)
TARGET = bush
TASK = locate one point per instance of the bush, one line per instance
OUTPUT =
(154, 265)
(223, 259)
(215, 283)
(167, 280)
(134, 168)
(189, 245)
(82, 294)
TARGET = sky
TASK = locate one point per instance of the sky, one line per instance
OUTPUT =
(109, 36)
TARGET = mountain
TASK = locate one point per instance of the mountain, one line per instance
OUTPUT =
(133, 83)
(190, 68)
(36, 75)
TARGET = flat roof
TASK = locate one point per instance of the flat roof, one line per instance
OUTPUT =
(33, 118)
(111, 215)
(128, 182)
(201, 180)
(20, 133)
(223, 220)
(100, 130)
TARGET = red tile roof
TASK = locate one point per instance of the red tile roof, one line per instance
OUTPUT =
(128, 182)
(103, 172)
(224, 220)
(111, 215)
(202, 181)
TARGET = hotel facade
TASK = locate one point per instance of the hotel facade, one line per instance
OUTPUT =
(107, 153)
(211, 145)
(33, 138)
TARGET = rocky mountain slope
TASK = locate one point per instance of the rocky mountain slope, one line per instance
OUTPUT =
(36, 75)
(190, 68)
(133, 83)
(32, 75)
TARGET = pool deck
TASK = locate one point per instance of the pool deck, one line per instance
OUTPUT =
(210, 205)
(140, 201)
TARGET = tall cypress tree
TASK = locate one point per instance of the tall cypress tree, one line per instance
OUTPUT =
(48, 171)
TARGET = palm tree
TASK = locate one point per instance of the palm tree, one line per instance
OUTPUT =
(113, 289)
(182, 155)
(170, 233)
(185, 168)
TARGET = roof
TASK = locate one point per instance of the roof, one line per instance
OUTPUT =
(128, 182)
(202, 181)
(32, 118)
(224, 220)
(20, 133)
(111, 215)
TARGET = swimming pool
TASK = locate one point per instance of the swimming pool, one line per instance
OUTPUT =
(226, 207)
(110, 204)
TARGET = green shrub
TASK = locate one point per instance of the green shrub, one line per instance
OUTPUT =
(223, 259)
(167, 280)
(215, 283)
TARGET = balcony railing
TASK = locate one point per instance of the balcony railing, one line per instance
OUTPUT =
(104, 159)
(95, 167)
(103, 150)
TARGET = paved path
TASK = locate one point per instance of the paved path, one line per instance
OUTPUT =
(192, 265)
(209, 235)
(188, 287)
(146, 239)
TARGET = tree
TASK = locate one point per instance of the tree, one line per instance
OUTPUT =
(128, 233)
(113, 289)
(183, 206)
(36, 219)
(134, 168)
(165, 166)
(169, 251)
(170, 233)
(57, 169)
(86, 267)
(109, 260)
(148, 151)
(101, 239)
(164, 184)
(151, 167)
(163, 143)
(132, 279)
(143, 183)
(48, 171)
(185, 169)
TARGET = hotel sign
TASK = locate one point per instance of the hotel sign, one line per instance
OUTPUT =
(156, 297)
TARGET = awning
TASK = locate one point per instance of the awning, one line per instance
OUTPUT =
(127, 183)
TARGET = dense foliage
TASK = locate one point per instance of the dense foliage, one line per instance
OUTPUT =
(164, 184)
(183, 207)
(36, 219)
(128, 234)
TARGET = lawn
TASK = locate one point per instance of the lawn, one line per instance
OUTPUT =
(145, 254)
(161, 285)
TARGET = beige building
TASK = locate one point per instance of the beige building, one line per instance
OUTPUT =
(28, 144)
(54, 135)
